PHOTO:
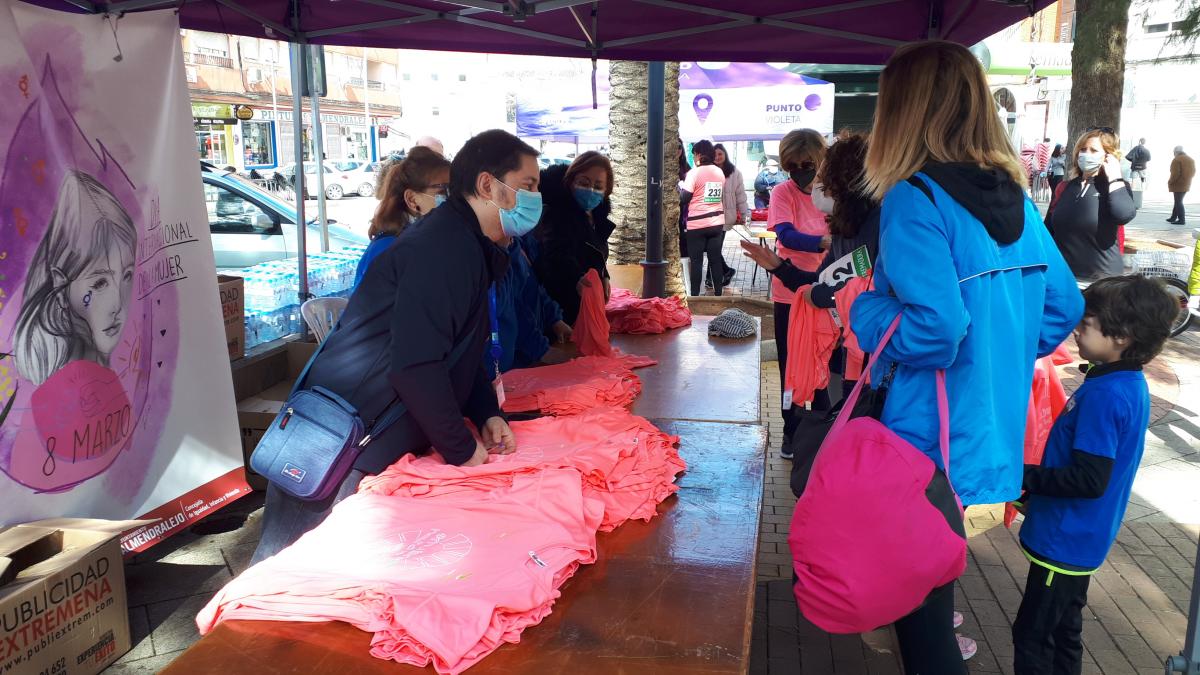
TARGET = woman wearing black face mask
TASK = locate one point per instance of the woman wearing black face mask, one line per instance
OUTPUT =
(803, 236)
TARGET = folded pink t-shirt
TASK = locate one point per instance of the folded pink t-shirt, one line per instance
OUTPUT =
(442, 581)
(628, 313)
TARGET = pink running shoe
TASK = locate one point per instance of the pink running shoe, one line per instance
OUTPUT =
(967, 646)
(958, 619)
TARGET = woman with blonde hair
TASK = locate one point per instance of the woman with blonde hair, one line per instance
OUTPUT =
(413, 187)
(802, 237)
(1088, 211)
(976, 285)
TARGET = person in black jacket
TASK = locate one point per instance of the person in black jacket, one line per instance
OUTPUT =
(416, 328)
(1086, 217)
(574, 229)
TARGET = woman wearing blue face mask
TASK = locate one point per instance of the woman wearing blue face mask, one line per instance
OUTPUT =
(414, 187)
(1087, 212)
(573, 233)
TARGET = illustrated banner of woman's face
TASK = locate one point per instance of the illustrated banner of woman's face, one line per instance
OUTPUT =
(100, 296)
(80, 332)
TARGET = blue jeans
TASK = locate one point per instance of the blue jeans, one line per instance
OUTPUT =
(286, 518)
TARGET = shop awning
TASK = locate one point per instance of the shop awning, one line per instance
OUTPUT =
(827, 31)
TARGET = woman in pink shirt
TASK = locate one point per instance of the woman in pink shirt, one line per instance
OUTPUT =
(803, 236)
(703, 191)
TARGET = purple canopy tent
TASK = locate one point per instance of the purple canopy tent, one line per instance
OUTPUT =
(820, 31)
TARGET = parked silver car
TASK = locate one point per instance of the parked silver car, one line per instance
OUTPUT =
(249, 226)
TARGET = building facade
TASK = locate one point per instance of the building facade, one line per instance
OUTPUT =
(242, 101)
(1029, 68)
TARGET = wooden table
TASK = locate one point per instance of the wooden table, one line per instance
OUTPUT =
(702, 378)
(672, 596)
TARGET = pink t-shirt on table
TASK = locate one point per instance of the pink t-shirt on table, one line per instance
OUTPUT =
(707, 185)
(443, 581)
(790, 204)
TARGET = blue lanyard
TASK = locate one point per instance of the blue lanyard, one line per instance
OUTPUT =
(497, 350)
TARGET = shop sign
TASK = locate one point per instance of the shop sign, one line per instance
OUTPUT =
(245, 112)
(214, 113)
(328, 118)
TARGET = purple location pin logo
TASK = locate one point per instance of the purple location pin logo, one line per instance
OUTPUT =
(702, 104)
(813, 101)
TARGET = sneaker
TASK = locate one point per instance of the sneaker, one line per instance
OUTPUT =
(958, 619)
(785, 450)
(967, 646)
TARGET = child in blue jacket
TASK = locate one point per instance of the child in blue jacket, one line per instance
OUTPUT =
(1075, 500)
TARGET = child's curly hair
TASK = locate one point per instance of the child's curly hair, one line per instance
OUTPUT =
(1132, 307)
(842, 176)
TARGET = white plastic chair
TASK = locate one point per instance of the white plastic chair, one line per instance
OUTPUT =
(322, 314)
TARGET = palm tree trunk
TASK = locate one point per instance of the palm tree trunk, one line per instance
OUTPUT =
(1098, 65)
(627, 123)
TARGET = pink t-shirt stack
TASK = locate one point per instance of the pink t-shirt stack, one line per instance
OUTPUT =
(442, 581)
(622, 460)
(573, 387)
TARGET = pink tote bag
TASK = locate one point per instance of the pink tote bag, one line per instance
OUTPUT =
(874, 532)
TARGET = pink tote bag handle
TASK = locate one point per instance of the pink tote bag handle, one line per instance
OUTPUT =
(943, 402)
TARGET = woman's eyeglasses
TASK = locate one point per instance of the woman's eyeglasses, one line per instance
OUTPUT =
(438, 189)
(1105, 130)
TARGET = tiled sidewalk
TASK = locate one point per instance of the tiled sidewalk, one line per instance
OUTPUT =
(1136, 615)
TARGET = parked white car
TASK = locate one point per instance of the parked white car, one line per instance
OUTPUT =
(338, 183)
(360, 174)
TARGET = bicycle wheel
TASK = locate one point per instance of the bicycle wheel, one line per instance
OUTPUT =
(1178, 291)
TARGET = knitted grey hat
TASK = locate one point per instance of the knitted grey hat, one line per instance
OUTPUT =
(732, 323)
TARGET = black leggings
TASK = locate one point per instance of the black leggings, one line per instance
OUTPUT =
(1054, 181)
(927, 642)
(699, 243)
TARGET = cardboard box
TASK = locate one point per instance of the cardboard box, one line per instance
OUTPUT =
(63, 610)
(233, 309)
(255, 414)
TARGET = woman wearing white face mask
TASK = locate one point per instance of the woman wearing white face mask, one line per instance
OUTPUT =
(1088, 212)
(853, 221)
(414, 187)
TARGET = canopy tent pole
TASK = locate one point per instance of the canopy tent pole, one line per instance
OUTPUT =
(1188, 661)
(654, 268)
(298, 53)
(319, 139)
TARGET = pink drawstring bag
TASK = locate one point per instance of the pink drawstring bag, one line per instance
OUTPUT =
(878, 526)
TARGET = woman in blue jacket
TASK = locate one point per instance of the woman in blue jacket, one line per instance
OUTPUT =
(979, 286)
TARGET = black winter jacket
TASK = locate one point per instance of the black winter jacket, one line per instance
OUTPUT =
(570, 242)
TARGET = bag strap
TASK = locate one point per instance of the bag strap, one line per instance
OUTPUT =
(942, 402)
(394, 410)
(1058, 190)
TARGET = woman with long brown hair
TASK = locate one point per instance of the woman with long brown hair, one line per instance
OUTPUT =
(414, 186)
(977, 287)
(1087, 213)
(573, 233)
